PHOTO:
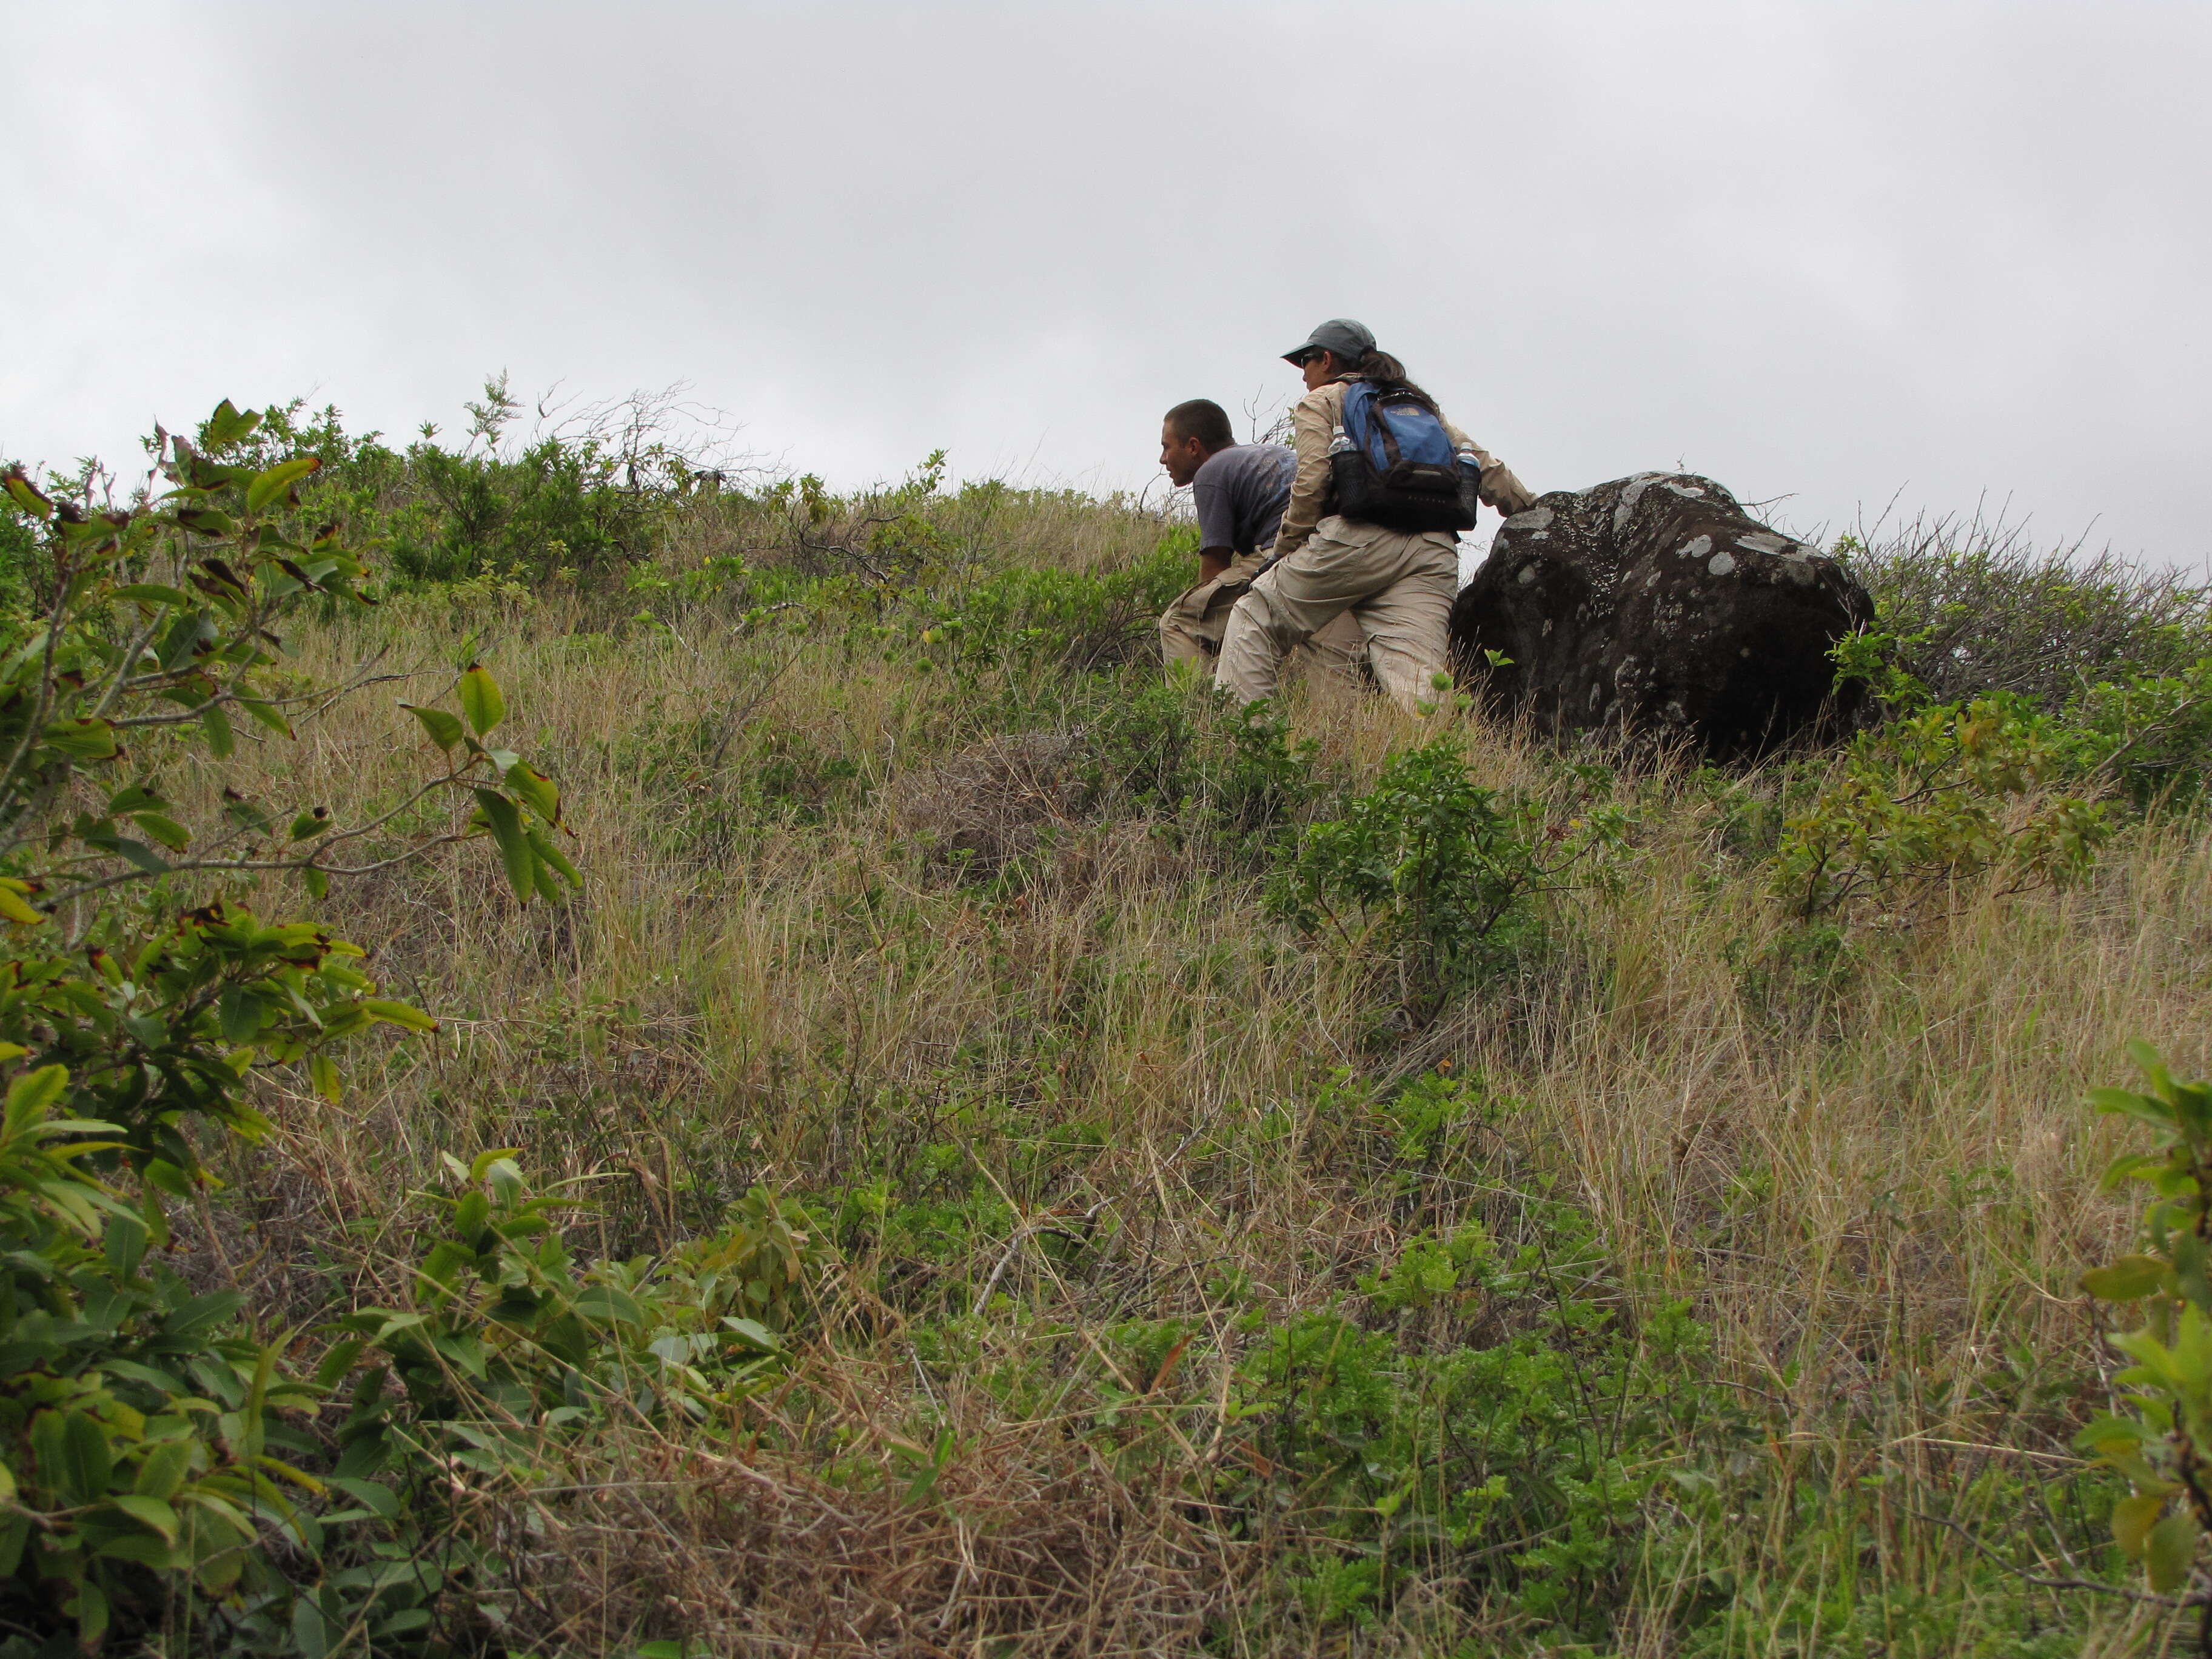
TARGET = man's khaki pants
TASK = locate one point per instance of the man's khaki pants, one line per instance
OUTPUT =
(1396, 587)
(1191, 628)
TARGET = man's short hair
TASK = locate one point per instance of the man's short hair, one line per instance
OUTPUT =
(1205, 419)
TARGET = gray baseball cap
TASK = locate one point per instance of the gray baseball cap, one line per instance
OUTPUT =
(1349, 340)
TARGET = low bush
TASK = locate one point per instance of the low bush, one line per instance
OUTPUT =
(146, 1451)
(1439, 876)
(1174, 751)
(1021, 621)
(1977, 609)
(2148, 735)
(1936, 798)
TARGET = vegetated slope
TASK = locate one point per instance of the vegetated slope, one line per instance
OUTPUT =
(1655, 1228)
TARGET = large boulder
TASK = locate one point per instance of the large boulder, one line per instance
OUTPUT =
(1656, 604)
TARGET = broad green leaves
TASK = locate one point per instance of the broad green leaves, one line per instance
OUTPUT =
(503, 1312)
(445, 729)
(1944, 794)
(536, 788)
(268, 486)
(481, 700)
(228, 426)
(146, 1419)
(2158, 1448)
(84, 737)
(2129, 1279)
(514, 849)
(517, 805)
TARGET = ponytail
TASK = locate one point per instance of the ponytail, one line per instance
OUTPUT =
(1386, 374)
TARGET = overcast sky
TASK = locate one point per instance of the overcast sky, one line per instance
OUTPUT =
(1836, 251)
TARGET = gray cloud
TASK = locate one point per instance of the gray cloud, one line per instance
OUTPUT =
(1836, 251)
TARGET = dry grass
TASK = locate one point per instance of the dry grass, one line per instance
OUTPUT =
(1029, 1546)
(1877, 1193)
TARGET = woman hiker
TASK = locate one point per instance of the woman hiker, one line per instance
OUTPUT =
(1397, 584)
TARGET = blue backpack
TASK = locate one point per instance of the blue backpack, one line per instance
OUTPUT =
(1393, 465)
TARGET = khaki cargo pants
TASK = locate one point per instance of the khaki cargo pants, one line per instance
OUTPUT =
(1396, 587)
(1191, 628)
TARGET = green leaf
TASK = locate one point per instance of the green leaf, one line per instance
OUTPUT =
(2132, 1520)
(445, 729)
(322, 1073)
(86, 1464)
(267, 715)
(368, 1494)
(2149, 1063)
(480, 699)
(398, 1013)
(239, 1013)
(134, 798)
(144, 857)
(162, 1472)
(167, 1177)
(32, 1095)
(149, 1512)
(229, 425)
(91, 1614)
(514, 848)
(81, 739)
(2129, 1279)
(221, 741)
(311, 824)
(536, 788)
(206, 520)
(608, 1305)
(171, 834)
(126, 1245)
(2127, 1102)
(546, 853)
(2169, 1551)
(379, 1499)
(311, 1632)
(140, 1550)
(26, 496)
(486, 1161)
(754, 1335)
(268, 486)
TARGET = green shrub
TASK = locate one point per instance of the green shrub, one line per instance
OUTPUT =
(1521, 1468)
(2160, 1440)
(1025, 620)
(140, 1421)
(2150, 735)
(507, 1331)
(1439, 875)
(1945, 795)
(1977, 609)
(1171, 751)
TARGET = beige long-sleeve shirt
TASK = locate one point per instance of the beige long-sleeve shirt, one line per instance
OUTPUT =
(1313, 426)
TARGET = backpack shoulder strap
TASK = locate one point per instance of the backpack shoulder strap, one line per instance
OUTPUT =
(1370, 409)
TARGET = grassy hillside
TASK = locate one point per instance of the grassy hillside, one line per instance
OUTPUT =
(1200, 1251)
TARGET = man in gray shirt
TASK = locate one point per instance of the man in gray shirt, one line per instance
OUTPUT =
(1240, 491)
